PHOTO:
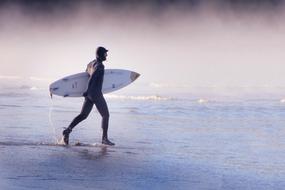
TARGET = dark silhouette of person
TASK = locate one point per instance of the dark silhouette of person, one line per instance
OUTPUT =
(93, 95)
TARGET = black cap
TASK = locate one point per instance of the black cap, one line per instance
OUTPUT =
(101, 51)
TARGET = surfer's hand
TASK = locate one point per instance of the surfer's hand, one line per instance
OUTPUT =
(85, 94)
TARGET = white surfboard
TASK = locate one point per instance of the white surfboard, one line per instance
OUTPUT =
(75, 85)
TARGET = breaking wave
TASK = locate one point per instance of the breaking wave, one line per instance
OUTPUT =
(9, 77)
(167, 85)
(33, 78)
(202, 101)
(24, 87)
(151, 97)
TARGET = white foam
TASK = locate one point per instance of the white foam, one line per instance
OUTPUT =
(124, 97)
(167, 85)
(156, 85)
(34, 88)
(39, 78)
(202, 101)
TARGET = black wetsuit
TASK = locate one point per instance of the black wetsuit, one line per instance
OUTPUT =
(95, 96)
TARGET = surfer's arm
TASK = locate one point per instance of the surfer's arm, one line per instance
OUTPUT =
(89, 69)
(88, 85)
(95, 75)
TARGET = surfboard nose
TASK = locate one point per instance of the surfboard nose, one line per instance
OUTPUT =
(134, 76)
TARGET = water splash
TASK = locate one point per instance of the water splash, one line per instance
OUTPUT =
(51, 124)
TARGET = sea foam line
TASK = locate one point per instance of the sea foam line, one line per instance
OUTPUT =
(124, 97)
(9, 77)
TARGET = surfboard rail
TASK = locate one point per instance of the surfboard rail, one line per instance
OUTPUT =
(76, 84)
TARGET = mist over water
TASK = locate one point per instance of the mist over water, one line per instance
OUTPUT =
(207, 111)
(216, 44)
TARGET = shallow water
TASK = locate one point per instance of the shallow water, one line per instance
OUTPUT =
(162, 142)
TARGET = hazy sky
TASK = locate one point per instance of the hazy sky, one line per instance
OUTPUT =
(199, 43)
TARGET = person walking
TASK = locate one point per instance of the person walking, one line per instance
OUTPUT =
(93, 95)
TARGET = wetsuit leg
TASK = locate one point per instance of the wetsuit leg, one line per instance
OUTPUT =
(102, 107)
(86, 109)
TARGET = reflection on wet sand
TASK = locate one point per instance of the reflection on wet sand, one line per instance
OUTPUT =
(91, 154)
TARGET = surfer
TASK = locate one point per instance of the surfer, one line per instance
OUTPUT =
(93, 95)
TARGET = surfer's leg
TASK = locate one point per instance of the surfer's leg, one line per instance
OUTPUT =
(86, 109)
(102, 107)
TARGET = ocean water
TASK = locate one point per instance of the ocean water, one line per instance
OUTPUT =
(165, 141)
